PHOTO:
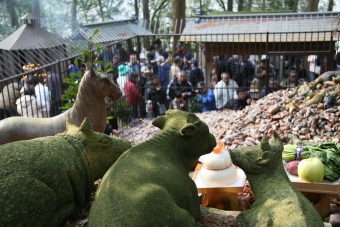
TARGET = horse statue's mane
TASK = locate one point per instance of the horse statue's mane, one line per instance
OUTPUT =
(90, 103)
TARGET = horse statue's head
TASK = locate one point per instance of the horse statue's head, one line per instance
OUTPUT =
(102, 85)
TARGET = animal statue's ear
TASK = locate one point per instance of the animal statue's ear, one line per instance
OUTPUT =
(188, 130)
(92, 73)
(265, 146)
(277, 140)
(266, 149)
(85, 127)
(159, 122)
(70, 126)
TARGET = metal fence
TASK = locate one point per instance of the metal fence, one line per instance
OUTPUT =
(254, 61)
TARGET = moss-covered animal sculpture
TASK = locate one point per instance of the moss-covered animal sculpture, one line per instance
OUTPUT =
(278, 202)
(90, 103)
(149, 185)
(46, 180)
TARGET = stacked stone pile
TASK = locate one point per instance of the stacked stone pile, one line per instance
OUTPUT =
(281, 111)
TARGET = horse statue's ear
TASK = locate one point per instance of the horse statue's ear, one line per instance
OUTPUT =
(92, 72)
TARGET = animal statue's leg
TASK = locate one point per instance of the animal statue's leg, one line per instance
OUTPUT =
(14, 206)
(59, 215)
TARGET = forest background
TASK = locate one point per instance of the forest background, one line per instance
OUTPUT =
(63, 17)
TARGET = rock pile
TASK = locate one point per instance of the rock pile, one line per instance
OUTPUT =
(303, 114)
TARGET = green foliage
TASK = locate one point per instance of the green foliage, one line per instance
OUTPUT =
(195, 106)
(121, 110)
(74, 79)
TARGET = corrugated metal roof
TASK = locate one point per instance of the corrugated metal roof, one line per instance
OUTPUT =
(113, 31)
(251, 28)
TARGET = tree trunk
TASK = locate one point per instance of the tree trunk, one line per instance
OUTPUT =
(178, 17)
(101, 10)
(330, 5)
(12, 13)
(146, 24)
(312, 5)
(74, 15)
(240, 5)
(36, 11)
(263, 5)
(230, 5)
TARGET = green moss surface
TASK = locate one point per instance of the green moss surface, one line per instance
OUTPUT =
(149, 184)
(278, 202)
(46, 180)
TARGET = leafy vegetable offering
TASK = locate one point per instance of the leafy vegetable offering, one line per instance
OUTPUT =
(327, 152)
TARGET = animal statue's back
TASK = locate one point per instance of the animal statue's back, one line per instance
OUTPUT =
(278, 202)
(46, 180)
(90, 103)
(149, 185)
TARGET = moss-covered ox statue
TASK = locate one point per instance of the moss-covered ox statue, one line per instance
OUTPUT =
(278, 202)
(46, 180)
(149, 185)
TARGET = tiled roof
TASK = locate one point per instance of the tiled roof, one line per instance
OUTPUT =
(113, 31)
(248, 27)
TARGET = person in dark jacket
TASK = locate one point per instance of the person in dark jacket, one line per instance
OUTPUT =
(179, 83)
(205, 97)
(156, 96)
(196, 73)
(246, 72)
(243, 99)
(221, 67)
(163, 72)
(273, 85)
(300, 70)
(115, 64)
(186, 66)
(233, 64)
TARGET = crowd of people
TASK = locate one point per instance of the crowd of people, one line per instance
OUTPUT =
(31, 98)
(153, 81)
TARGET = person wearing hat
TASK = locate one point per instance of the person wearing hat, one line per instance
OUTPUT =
(142, 59)
(163, 73)
(196, 73)
(263, 72)
(273, 85)
(292, 80)
(144, 80)
(123, 73)
(180, 52)
(206, 97)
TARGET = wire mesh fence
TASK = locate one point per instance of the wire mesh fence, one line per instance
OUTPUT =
(234, 66)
